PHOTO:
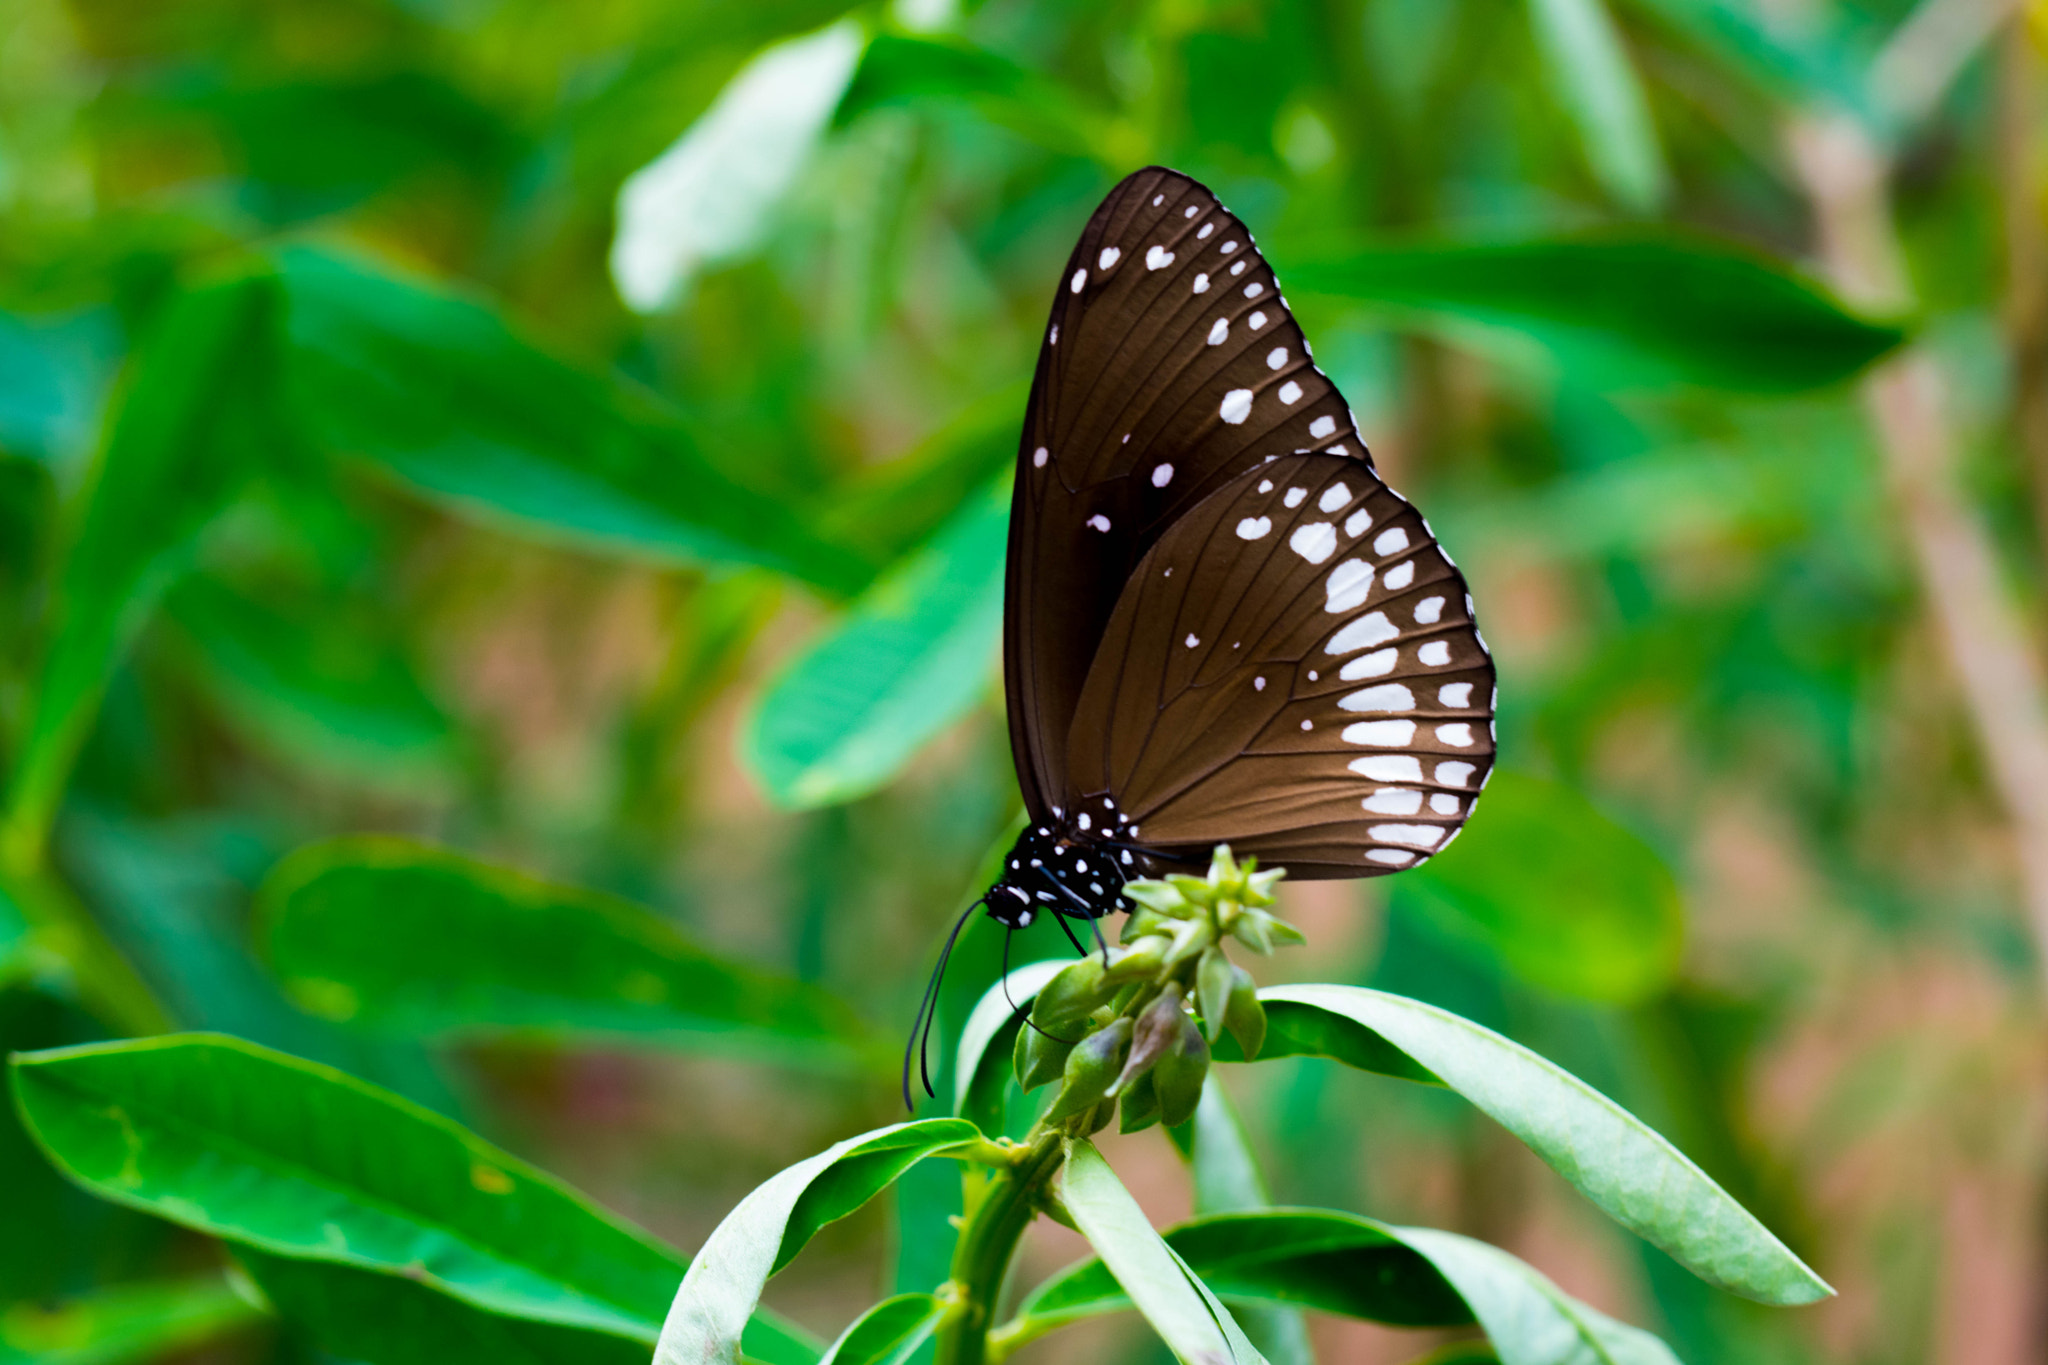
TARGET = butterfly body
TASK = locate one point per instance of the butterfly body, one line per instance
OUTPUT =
(1074, 867)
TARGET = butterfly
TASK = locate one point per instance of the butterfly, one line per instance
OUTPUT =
(1219, 624)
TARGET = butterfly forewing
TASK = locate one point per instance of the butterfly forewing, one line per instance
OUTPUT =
(1292, 669)
(1170, 365)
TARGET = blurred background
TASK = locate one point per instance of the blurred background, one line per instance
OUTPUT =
(578, 436)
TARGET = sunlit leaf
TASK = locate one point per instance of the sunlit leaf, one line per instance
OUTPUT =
(1566, 897)
(912, 655)
(1614, 1158)
(1644, 306)
(302, 1161)
(198, 420)
(768, 1228)
(440, 391)
(121, 1323)
(1186, 1317)
(1592, 76)
(420, 940)
(712, 195)
(889, 1333)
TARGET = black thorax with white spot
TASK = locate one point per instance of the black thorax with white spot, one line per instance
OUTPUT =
(1075, 867)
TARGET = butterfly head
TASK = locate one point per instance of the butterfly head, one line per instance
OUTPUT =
(1074, 865)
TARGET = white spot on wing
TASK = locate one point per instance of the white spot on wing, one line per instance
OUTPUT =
(1099, 522)
(1457, 696)
(1257, 320)
(1323, 426)
(1254, 289)
(1252, 528)
(1348, 585)
(1038, 457)
(1453, 774)
(1237, 405)
(1237, 269)
(1192, 641)
(1335, 496)
(1401, 575)
(1371, 629)
(1193, 209)
(1443, 803)
(1085, 823)
(1290, 392)
(1265, 485)
(1158, 258)
(1080, 280)
(1385, 697)
(1356, 523)
(1162, 476)
(1315, 542)
(1219, 331)
(1436, 653)
(1392, 857)
(1109, 257)
(1391, 541)
(1394, 801)
(1203, 235)
(1387, 734)
(1276, 357)
(1294, 496)
(1258, 684)
(1227, 248)
(1201, 284)
(1458, 736)
(1422, 836)
(1388, 767)
(1375, 665)
(1429, 610)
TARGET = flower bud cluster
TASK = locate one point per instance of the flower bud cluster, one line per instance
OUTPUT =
(1137, 1028)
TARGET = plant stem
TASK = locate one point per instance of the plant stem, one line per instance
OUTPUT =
(995, 1218)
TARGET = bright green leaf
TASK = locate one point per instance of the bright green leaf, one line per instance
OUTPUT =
(121, 1323)
(303, 1161)
(713, 194)
(1172, 1299)
(1645, 305)
(197, 420)
(982, 1071)
(910, 657)
(1614, 1158)
(440, 391)
(418, 939)
(1592, 76)
(1569, 899)
(899, 70)
(768, 1228)
(889, 1333)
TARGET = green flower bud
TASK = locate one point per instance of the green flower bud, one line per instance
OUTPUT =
(1140, 1109)
(1177, 1076)
(1039, 1057)
(1143, 958)
(1194, 891)
(1212, 990)
(1099, 1120)
(1157, 899)
(1069, 998)
(1155, 1032)
(1244, 1016)
(1190, 936)
(1091, 1068)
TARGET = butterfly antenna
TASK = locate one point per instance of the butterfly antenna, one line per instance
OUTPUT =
(928, 1009)
(1095, 923)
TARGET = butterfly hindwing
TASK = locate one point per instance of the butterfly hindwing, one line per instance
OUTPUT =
(1292, 669)
(1170, 366)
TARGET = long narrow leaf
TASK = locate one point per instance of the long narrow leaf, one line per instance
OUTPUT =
(1593, 78)
(889, 1333)
(122, 1323)
(768, 1228)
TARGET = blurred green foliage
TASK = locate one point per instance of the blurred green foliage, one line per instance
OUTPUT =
(342, 492)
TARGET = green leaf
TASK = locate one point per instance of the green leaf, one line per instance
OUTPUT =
(1591, 74)
(910, 657)
(317, 686)
(389, 1319)
(127, 1322)
(1569, 899)
(899, 70)
(768, 1228)
(983, 1073)
(713, 194)
(420, 940)
(303, 1161)
(441, 392)
(1614, 1158)
(889, 1333)
(1227, 1180)
(1173, 1300)
(1355, 1267)
(197, 420)
(1647, 305)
